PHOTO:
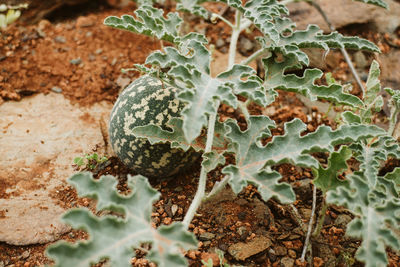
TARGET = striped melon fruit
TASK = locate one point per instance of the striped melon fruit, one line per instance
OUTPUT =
(147, 101)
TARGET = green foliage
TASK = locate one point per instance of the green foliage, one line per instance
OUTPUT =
(12, 14)
(185, 65)
(114, 236)
(91, 161)
(379, 3)
(326, 178)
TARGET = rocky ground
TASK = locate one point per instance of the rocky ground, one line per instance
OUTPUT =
(59, 78)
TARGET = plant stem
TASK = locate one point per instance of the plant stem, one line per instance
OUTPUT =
(234, 38)
(343, 50)
(253, 56)
(394, 111)
(310, 224)
(317, 230)
(198, 198)
(223, 19)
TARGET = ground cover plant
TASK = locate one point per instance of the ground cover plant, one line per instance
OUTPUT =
(185, 64)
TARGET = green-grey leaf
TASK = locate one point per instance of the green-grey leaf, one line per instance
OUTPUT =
(114, 237)
(150, 21)
(349, 117)
(375, 218)
(193, 7)
(379, 3)
(252, 158)
(326, 178)
(155, 134)
(190, 69)
(371, 155)
(305, 85)
(372, 102)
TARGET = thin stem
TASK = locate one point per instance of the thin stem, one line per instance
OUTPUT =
(253, 56)
(203, 173)
(310, 224)
(215, 15)
(393, 119)
(234, 38)
(317, 230)
(343, 50)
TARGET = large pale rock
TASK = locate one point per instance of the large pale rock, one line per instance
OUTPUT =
(40, 137)
(345, 12)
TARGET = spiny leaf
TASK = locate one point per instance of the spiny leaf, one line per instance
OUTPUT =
(252, 158)
(114, 237)
(262, 13)
(150, 21)
(190, 69)
(379, 3)
(193, 7)
(305, 85)
(313, 37)
(371, 155)
(375, 216)
(373, 102)
(326, 178)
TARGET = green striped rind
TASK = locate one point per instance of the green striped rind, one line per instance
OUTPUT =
(147, 101)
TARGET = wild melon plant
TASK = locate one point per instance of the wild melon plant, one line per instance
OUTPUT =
(185, 65)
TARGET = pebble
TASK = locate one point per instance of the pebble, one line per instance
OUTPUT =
(245, 45)
(89, 34)
(99, 51)
(241, 251)
(56, 89)
(342, 220)
(206, 236)
(280, 251)
(174, 209)
(76, 61)
(25, 254)
(287, 262)
(60, 39)
(219, 43)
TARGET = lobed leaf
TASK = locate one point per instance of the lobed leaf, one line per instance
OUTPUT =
(377, 213)
(252, 158)
(326, 178)
(175, 136)
(114, 237)
(189, 67)
(371, 155)
(379, 3)
(149, 21)
(275, 78)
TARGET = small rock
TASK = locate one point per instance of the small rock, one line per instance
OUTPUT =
(292, 254)
(89, 34)
(241, 251)
(287, 262)
(174, 209)
(92, 57)
(124, 82)
(280, 251)
(360, 60)
(76, 61)
(177, 189)
(84, 22)
(303, 188)
(99, 51)
(25, 254)
(2, 264)
(219, 43)
(56, 89)
(245, 45)
(60, 39)
(342, 220)
(206, 236)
